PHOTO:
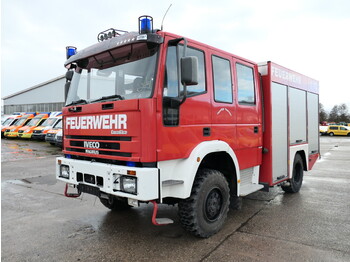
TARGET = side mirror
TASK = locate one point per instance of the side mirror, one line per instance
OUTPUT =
(189, 70)
(69, 75)
(66, 90)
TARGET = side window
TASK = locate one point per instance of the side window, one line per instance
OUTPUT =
(171, 80)
(200, 88)
(246, 87)
(222, 80)
(333, 128)
(343, 128)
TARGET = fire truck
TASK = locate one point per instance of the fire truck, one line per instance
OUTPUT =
(153, 117)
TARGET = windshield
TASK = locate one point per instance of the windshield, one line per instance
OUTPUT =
(58, 124)
(124, 73)
(49, 122)
(34, 122)
(21, 121)
(8, 121)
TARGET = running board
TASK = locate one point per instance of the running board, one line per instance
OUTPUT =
(250, 188)
(159, 221)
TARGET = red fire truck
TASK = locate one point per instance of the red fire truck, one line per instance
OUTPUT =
(153, 117)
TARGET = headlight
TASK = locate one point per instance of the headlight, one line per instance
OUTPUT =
(27, 131)
(129, 185)
(64, 171)
(13, 130)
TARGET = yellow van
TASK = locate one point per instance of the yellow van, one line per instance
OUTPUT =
(338, 131)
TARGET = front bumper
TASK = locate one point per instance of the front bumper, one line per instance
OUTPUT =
(11, 134)
(38, 136)
(25, 135)
(107, 178)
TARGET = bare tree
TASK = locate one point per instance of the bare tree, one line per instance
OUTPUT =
(323, 113)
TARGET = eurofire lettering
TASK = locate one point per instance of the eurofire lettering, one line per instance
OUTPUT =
(117, 121)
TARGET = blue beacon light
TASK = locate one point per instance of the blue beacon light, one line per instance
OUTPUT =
(145, 24)
(70, 51)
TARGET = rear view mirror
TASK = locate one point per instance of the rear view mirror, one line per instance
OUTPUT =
(69, 75)
(189, 70)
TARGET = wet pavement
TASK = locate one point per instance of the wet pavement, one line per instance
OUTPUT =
(39, 224)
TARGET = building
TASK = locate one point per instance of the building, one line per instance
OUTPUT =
(45, 97)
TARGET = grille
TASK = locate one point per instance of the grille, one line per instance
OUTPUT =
(102, 146)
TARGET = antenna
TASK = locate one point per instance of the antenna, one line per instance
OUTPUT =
(161, 27)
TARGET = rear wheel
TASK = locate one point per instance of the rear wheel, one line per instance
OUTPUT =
(205, 211)
(114, 203)
(297, 177)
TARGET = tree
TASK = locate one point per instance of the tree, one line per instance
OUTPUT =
(339, 113)
(333, 115)
(323, 114)
(344, 114)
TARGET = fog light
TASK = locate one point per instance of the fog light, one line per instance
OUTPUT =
(64, 171)
(128, 184)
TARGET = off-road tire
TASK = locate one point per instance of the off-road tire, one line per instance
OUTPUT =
(204, 212)
(297, 178)
(115, 204)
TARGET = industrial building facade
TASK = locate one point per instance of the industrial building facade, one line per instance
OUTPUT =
(45, 97)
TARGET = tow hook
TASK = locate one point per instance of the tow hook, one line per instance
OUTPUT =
(159, 221)
(70, 194)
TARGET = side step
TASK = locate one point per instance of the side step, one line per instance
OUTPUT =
(159, 221)
(249, 188)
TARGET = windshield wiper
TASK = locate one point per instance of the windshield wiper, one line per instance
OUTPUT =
(80, 101)
(108, 97)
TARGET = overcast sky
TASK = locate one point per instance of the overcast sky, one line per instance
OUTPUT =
(308, 36)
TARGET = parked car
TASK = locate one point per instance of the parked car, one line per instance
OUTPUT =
(58, 138)
(27, 130)
(336, 130)
(9, 121)
(12, 131)
(40, 132)
(323, 130)
(51, 134)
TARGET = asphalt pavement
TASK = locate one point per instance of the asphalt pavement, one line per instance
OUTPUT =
(39, 224)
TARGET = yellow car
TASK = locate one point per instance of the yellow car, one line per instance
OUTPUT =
(338, 131)
(27, 130)
(12, 131)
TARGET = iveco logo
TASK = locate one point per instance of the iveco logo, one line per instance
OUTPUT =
(91, 144)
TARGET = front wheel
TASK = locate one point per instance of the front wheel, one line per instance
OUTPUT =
(205, 211)
(297, 177)
(331, 134)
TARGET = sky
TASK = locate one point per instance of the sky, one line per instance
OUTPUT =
(311, 37)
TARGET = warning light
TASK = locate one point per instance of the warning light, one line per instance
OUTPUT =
(70, 51)
(145, 24)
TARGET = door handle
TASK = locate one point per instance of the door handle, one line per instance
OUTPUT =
(256, 129)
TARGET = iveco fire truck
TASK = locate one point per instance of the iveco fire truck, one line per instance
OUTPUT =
(153, 117)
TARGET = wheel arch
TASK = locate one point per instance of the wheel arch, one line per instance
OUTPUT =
(209, 154)
(303, 157)
(223, 162)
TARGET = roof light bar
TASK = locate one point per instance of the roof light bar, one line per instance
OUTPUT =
(109, 33)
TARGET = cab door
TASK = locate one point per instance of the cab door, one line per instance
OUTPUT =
(249, 115)
(184, 119)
